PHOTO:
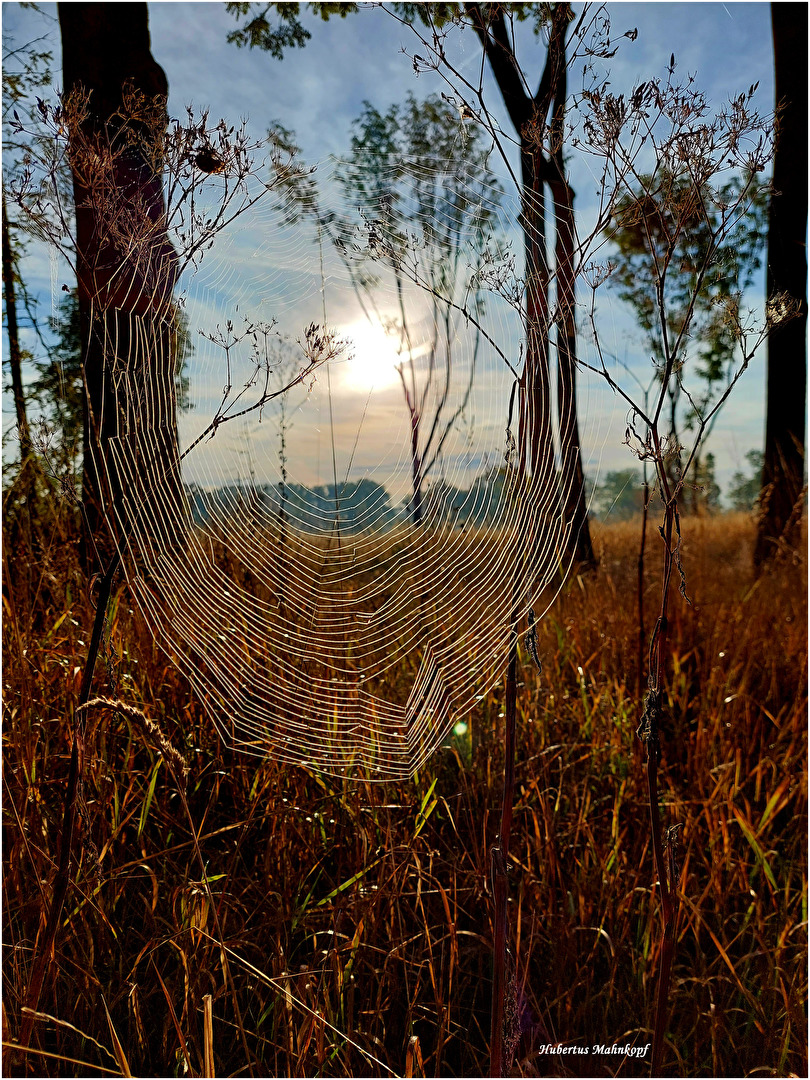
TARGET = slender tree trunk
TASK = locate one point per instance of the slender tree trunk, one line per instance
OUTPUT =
(126, 273)
(572, 478)
(416, 469)
(529, 117)
(783, 471)
(14, 355)
(535, 416)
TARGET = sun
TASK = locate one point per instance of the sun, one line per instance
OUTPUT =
(375, 357)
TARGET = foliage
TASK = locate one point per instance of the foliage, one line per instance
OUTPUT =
(702, 492)
(666, 236)
(428, 176)
(745, 488)
(619, 495)
(26, 69)
(257, 32)
(32, 73)
(58, 386)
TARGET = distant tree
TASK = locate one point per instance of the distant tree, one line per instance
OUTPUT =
(15, 352)
(360, 505)
(745, 488)
(25, 70)
(428, 203)
(702, 487)
(58, 387)
(445, 502)
(619, 495)
(784, 464)
(663, 232)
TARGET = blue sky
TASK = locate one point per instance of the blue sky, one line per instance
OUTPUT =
(317, 92)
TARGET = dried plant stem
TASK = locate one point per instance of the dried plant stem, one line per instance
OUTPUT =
(226, 967)
(648, 732)
(208, 1035)
(75, 773)
(14, 353)
(499, 866)
(642, 632)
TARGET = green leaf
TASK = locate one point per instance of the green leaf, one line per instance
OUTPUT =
(760, 854)
(426, 809)
(147, 803)
(347, 884)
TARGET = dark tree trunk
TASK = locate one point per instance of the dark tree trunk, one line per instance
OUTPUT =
(529, 117)
(417, 474)
(14, 356)
(126, 273)
(572, 478)
(535, 415)
(783, 472)
(416, 470)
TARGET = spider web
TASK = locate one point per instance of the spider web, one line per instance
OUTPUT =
(278, 553)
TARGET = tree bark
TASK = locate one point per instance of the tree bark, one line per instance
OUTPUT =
(14, 355)
(572, 478)
(126, 273)
(529, 117)
(535, 400)
(783, 471)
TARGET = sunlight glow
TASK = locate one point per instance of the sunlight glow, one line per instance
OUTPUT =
(375, 358)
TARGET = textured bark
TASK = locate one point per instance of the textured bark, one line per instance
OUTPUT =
(535, 425)
(529, 117)
(572, 478)
(126, 274)
(14, 356)
(783, 472)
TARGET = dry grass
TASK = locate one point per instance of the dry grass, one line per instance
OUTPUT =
(331, 922)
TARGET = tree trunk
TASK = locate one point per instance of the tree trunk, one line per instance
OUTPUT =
(783, 471)
(126, 273)
(529, 117)
(14, 356)
(535, 413)
(572, 478)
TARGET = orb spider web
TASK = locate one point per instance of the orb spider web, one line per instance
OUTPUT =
(277, 552)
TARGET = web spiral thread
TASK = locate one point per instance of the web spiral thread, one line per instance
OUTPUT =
(275, 550)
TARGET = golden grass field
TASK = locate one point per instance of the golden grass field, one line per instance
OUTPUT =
(332, 921)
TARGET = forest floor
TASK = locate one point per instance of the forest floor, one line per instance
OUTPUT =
(333, 921)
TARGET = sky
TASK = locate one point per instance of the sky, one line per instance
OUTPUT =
(352, 422)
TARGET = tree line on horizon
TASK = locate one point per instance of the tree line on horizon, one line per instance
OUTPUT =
(366, 505)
